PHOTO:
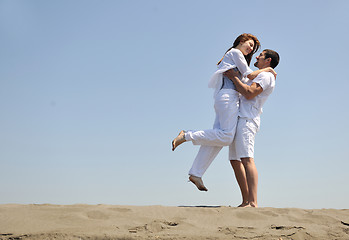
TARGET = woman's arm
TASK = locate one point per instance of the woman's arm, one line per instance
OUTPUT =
(240, 62)
(254, 74)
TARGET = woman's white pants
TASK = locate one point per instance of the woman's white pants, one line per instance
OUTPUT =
(212, 140)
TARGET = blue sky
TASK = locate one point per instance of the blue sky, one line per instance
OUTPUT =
(93, 92)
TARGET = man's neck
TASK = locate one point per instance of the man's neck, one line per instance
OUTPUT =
(265, 66)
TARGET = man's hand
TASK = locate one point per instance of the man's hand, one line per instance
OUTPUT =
(231, 73)
(249, 92)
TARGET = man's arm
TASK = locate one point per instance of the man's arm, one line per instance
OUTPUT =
(249, 92)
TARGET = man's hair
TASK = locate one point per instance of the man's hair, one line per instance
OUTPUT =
(275, 58)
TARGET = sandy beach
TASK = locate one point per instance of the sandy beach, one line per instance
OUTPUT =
(45, 221)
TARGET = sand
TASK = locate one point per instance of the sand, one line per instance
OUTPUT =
(161, 222)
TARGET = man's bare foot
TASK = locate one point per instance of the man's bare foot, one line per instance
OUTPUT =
(198, 183)
(245, 204)
(178, 140)
(253, 205)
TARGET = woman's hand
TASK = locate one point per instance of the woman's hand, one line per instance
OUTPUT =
(254, 74)
(270, 69)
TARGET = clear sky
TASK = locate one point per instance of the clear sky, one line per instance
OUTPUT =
(93, 92)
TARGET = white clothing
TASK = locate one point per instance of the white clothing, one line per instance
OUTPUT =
(249, 118)
(243, 144)
(222, 134)
(233, 58)
(203, 160)
(227, 83)
(227, 109)
(252, 109)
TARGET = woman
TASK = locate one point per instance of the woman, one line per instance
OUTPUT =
(226, 107)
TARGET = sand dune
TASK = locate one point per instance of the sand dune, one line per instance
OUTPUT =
(159, 222)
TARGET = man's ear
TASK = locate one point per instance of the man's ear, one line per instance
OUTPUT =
(268, 60)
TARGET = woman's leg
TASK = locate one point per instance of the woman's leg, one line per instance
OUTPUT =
(203, 160)
(212, 140)
(222, 134)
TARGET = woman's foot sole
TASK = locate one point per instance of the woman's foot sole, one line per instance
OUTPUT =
(198, 183)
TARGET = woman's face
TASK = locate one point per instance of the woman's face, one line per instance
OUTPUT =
(246, 47)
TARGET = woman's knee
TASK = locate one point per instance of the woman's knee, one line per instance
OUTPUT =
(226, 137)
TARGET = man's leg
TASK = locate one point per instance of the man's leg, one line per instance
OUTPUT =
(239, 169)
(240, 176)
(252, 180)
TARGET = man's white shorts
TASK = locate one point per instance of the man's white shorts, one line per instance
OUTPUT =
(243, 144)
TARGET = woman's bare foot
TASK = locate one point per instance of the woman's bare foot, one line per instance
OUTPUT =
(178, 140)
(253, 205)
(198, 183)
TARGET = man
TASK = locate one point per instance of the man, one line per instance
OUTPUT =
(241, 151)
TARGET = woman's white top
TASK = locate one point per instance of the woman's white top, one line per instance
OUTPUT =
(232, 59)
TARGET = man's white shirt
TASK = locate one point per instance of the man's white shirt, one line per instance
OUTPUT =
(252, 109)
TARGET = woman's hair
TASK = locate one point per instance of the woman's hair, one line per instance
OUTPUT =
(243, 38)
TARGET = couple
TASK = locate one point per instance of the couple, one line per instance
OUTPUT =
(239, 96)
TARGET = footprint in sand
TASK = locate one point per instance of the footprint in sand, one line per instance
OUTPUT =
(154, 227)
(241, 232)
(97, 215)
(121, 210)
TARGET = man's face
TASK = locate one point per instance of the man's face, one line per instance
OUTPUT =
(261, 61)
